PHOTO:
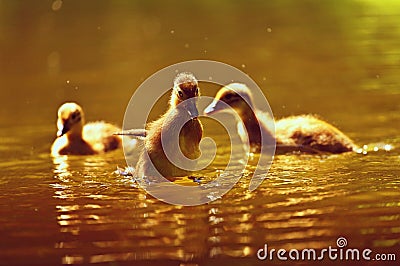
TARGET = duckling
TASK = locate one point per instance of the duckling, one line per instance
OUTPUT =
(304, 133)
(74, 137)
(182, 107)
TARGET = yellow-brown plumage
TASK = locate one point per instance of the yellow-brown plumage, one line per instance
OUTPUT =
(304, 133)
(74, 137)
(309, 131)
(182, 107)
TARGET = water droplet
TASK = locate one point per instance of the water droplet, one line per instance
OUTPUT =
(186, 45)
(243, 65)
(387, 147)
(57, 4)
(269, 30)
(205, 51)
(172, 31)
(359, 150)
(68, 81)
(210, 78)
(206, 38)
(264, 78)
(376, 148)
(378, 76)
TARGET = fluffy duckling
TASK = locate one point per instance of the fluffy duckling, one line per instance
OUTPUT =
(182, 111)
(304, 133)
(74, 137)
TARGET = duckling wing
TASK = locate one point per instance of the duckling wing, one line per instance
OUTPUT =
(100, 136)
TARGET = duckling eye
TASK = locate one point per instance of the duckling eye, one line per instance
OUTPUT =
(228, 96)
(180, 94)
(75, 116)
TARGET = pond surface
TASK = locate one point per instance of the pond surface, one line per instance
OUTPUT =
(337, 59)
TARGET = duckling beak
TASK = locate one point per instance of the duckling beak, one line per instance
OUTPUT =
(63, 128)
(192, 110)
(214, 107)
(190, 106)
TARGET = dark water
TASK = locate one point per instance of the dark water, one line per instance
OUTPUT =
(337, 59)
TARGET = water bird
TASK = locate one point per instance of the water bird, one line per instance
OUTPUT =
(301, 133)
(183, 111)
(74, 137)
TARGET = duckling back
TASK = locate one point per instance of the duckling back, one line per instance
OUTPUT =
(100, 136)
(309, 131)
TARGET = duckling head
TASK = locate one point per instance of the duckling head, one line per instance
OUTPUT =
(237, 95)
(70, 120)
(184, 93)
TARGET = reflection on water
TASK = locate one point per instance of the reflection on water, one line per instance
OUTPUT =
(104, 217)
(338, 59)
(157, 225)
